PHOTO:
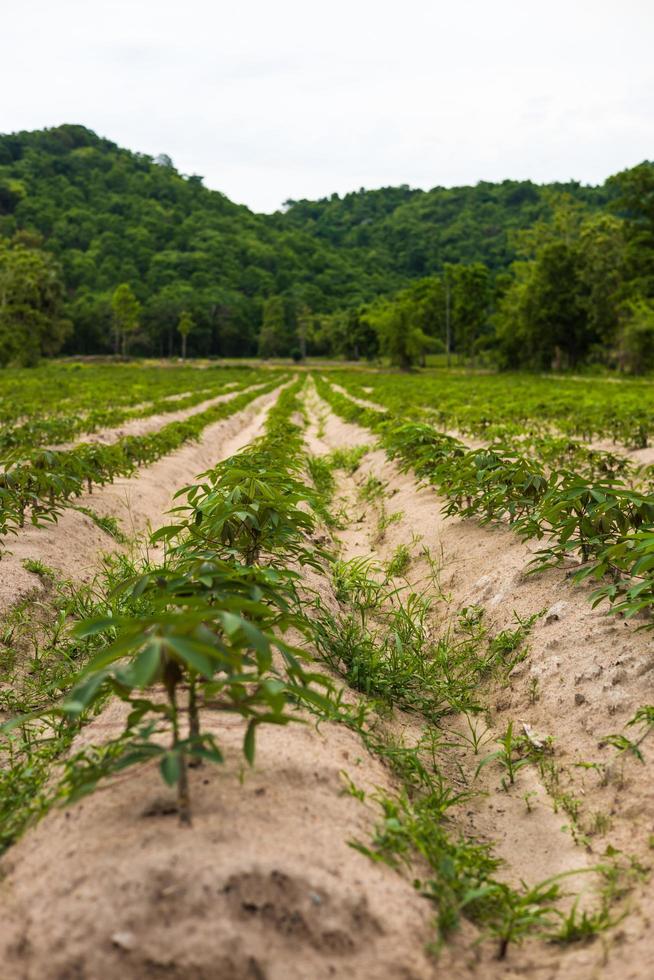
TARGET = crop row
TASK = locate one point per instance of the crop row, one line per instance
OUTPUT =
(497, 407)
(75, 388)
(608, 525)
(38, 485)
(208, 624)
(39, 430)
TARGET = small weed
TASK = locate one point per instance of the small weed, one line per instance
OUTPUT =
(347, 459)
(644, 717)
(321, 475)
(386, 520)
(528, 797)
(601, 823)
(38, 568)
(435, 570)
(350, 788)
(580, 926)
(359, 582)
(507, 756)
(476, 738)
(506, 647)
(110, 525)
(372, 490)
(399, 563)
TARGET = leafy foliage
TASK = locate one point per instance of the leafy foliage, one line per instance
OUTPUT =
(32, 319)
(307, 278)
(209, 622)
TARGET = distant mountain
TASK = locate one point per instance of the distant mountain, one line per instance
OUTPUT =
(113, 216)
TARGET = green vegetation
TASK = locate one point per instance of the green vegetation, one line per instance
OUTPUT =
(203, 625)
(54, 403)
(592, 515)
(205, 631)
(104, 250)
(32, 319)
(516, 407)
(125, 309)
(36, 483)
(184, 327)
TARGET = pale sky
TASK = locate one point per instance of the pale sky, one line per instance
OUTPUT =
(271, 99)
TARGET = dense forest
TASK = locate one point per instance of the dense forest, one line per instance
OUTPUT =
(104, 250)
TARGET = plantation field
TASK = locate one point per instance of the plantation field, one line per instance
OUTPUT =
(325, 673)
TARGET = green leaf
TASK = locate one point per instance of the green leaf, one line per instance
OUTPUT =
(171, 767)
(95, 626)
(231, 623)
(249, 742)
(193, 654)
(144, 669)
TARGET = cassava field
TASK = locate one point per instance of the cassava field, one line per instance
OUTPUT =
(313, 673)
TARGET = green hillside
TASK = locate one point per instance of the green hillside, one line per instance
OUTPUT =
(112, 216)
(109, 217)
(414, 233)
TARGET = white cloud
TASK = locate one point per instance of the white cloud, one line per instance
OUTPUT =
(298, 99)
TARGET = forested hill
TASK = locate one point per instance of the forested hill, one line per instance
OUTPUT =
(414, 233)
(111, 216)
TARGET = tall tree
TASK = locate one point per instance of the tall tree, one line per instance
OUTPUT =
(32, 321)
(303, 329)
(400, 338)
(635, 202)
(273, 328)
(126, 311)
(565, 298)
(635, 350)
(470, 300)
(184, 328)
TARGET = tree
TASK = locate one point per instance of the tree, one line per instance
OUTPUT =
(540, 320)
(602, 271)
(110, 216)
(470, 288)
(32, 321)
(400, 338)
(636, 341)
(303, 328)
(563, 304)
(635, 202)
(184, 328)
(347, 333)
(273, 328)
(126, 310)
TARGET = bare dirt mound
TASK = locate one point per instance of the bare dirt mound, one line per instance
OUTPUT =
(263, 885)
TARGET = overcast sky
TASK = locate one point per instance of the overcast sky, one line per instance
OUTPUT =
(271, 99)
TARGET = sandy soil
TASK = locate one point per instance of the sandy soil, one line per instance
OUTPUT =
(263, 885)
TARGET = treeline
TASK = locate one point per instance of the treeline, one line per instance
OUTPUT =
(580, 292)
(103, 250)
